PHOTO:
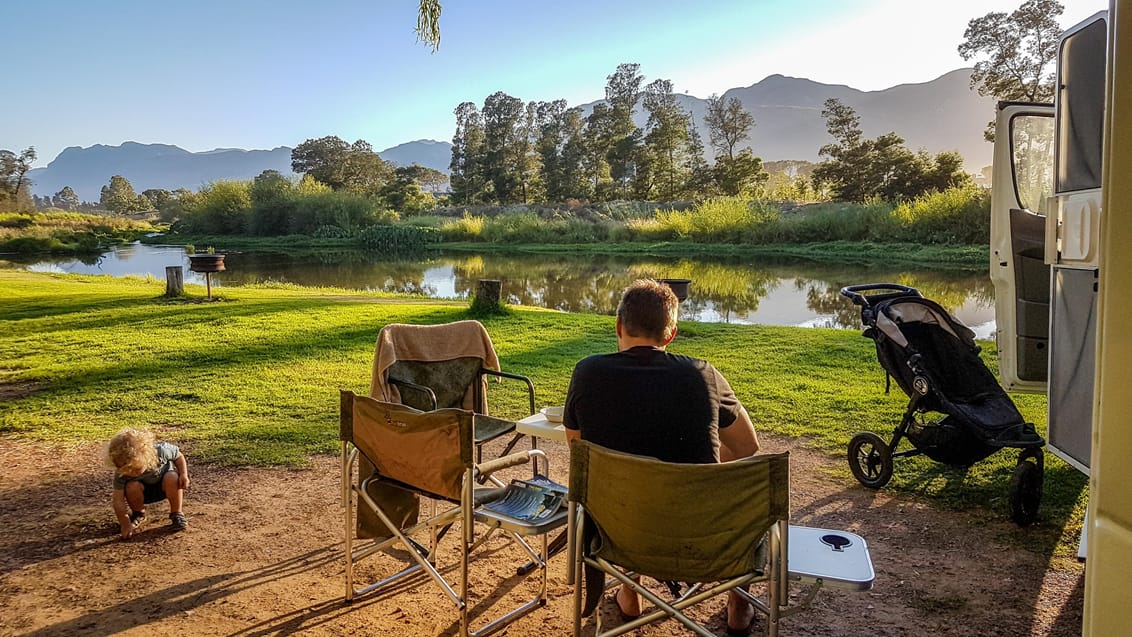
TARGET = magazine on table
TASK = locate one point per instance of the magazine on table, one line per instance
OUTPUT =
(531, 500)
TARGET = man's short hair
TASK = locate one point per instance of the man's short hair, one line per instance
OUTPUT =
(648, 309)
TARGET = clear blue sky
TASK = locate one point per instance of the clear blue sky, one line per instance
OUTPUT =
(210, 74)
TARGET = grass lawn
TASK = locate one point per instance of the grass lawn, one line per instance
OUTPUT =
(253, 378)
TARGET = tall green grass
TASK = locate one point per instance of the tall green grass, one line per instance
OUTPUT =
(67, 232)
(959, 216)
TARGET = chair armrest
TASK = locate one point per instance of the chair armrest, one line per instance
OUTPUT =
(427, 391)
(512, 460)
(530, 385)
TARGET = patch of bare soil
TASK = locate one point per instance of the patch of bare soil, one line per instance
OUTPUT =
(263, 556)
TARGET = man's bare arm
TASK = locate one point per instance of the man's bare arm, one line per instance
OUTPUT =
(739, 440)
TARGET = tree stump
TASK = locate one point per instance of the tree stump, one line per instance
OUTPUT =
(174, 280)
(488, 292)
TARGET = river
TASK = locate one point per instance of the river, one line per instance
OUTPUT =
(733, 290)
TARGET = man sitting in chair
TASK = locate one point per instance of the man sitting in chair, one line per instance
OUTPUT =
(645, 401)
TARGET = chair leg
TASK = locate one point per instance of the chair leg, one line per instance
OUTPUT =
(575, 557)
(348, 505)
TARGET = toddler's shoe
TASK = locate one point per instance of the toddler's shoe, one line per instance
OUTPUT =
(137, 518)
(178, 521)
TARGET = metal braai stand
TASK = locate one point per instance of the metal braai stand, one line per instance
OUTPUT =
(679, 287)
(206, 264)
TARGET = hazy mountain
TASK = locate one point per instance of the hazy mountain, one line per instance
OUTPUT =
(944, 114)
(426, 152)
(87, 170)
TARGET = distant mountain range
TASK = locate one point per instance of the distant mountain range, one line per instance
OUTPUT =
(944, 114)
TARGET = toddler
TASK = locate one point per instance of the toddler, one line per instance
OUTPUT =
(145, 472)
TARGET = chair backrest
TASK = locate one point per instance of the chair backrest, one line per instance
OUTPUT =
(450, 381)
(427, 451)
(445, 358)
(685, 522)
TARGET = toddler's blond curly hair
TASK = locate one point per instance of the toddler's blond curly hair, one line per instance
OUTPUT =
(132, 451)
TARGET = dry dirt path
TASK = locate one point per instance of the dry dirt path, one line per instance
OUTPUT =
(262, 556)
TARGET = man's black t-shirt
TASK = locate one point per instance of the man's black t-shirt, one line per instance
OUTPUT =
(648, 402)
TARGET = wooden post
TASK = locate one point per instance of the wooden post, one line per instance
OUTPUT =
(174, 280)
(488, 292)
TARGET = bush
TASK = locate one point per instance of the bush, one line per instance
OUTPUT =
(466, 228)
(221, 207)
(871, 221)
(955, 215)
(330, 232)
(397, 238)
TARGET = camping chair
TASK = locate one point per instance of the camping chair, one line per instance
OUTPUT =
(429, 454)
(431, 367)
(651, 518)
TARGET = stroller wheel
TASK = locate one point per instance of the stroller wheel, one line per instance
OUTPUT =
(870, 460)
(1026, 491)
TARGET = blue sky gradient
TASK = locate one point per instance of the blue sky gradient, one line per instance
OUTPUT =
(264, 73)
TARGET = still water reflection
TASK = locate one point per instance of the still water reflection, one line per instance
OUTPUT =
(744, 290)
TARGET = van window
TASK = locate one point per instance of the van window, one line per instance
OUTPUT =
(1080, 108)
(1031, 145)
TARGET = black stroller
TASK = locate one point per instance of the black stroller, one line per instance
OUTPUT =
(957, 413)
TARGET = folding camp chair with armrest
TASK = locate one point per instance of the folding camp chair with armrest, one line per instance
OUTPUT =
(697, 523)
(431, 367)
(416, 453)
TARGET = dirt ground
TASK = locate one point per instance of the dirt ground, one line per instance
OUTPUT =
(263, 556)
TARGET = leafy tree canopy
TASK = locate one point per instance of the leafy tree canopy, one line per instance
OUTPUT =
(858, 169)
(14, 185)
(119, 196)
(1015, 51)
(340, 165)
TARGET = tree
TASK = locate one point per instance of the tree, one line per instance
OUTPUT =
(666, 144)
(1017, 51)
(858, 168)
(598, 144)
(14, 185)
(404, 193)
(119, 196)
(728, 124)
(430, 179)
(622, 90)
(740, 174)
(342, 166)
(158, 197)
(503, 150)
(466, 170)
(66, 199)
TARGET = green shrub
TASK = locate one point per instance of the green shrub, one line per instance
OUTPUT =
(330, 232)
(397, 238)
(955, 215)
(872, 221)
(466, 228)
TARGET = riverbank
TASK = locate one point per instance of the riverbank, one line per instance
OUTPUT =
(956, 257)
(252, 379)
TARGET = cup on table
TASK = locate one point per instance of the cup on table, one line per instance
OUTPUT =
(553, 414)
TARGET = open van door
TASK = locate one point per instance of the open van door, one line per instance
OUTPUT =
(1022, 189)
(1045, 239)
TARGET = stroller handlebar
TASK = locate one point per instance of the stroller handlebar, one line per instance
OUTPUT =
(854, 292)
